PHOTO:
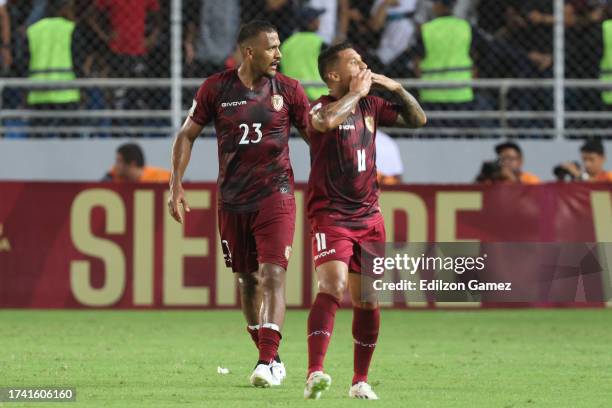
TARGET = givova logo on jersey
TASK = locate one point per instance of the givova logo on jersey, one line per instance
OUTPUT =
(322, 246)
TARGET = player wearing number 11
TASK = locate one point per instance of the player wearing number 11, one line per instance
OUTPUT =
(343, 203)
(252, 108)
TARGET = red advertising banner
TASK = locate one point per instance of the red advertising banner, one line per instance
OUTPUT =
(76, 245)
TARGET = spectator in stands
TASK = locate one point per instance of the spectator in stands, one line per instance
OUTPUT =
(280, 13)
(388, 160)
(359, 32)
(301, 52)
(396, 20)
(446, 49)
(334, 20)
(583, 25)
(6, 57)
(128, 41)
(212, 29)
(130, 167)
(53, 44)
(593, 160)
(510, 157)
(126, 35)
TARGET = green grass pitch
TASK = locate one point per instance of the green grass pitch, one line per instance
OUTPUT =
(518, 358)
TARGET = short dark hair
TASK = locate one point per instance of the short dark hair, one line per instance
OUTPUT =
(329, 55)
(253, 28)
(593, 146)
(508, 145)
(131, 152)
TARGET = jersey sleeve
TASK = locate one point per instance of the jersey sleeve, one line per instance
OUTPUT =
(386, 112)
(300, 108)
(202, 109)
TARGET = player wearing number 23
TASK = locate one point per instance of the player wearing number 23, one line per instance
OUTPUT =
(252, 108)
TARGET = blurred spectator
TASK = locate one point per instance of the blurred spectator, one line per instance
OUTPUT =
(510, 157)
(334, 21)
(396, 20)
(6, 57)
(359, 32)
(127, 38)
(583, 20)
(280, 13)
(52, 44)
(593, 159)
(445, 50)
(466, 10)
(126, 35)
(301, 52)
(130, 167)
(211, 35)
(388, 160)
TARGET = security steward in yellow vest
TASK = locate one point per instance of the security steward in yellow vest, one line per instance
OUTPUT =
(301, 52)
(444, 52)
(605, 65)
(51, 55)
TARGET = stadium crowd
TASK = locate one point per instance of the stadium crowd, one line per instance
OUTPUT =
(398, 38)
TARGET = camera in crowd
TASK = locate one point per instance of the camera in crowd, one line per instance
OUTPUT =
(491, 171)
(563, 174)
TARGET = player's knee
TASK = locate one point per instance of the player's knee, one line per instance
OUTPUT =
(248, 281)
(335, 287)
(272, 276)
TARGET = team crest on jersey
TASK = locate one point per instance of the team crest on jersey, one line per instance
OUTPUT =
(369, 122)
(277, 102)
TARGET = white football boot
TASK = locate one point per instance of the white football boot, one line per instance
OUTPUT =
(317, 382)
(362, 390)
(278, 371)
(262, 376)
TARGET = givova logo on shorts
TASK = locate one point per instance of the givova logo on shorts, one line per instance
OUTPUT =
(322, 246)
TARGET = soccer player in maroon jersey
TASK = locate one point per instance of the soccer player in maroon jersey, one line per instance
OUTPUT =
(252, 108)
(343, 203)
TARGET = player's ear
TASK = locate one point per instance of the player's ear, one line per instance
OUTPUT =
(333, 76)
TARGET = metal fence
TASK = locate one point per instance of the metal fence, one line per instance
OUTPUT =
(537, 62)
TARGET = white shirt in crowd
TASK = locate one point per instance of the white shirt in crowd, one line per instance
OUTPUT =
(398, 33)
(388, 156)
(328, 20)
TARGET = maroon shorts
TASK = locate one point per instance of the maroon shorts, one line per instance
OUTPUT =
(262, 236)
(333, 243)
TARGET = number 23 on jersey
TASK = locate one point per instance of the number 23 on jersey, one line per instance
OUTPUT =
(246, 130)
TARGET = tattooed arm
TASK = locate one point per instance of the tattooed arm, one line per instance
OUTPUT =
(332, 115)
(412, 114)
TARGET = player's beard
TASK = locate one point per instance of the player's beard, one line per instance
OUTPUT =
(272, 73)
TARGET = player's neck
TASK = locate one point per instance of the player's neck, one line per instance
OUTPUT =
(337, 93)
(248, 78)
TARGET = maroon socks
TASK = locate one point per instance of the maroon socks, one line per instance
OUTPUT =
(320, 328)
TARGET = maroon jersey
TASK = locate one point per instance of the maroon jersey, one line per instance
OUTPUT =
(342, 188)
(253, 128)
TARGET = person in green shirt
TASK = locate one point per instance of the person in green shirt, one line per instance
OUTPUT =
(301, 51)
